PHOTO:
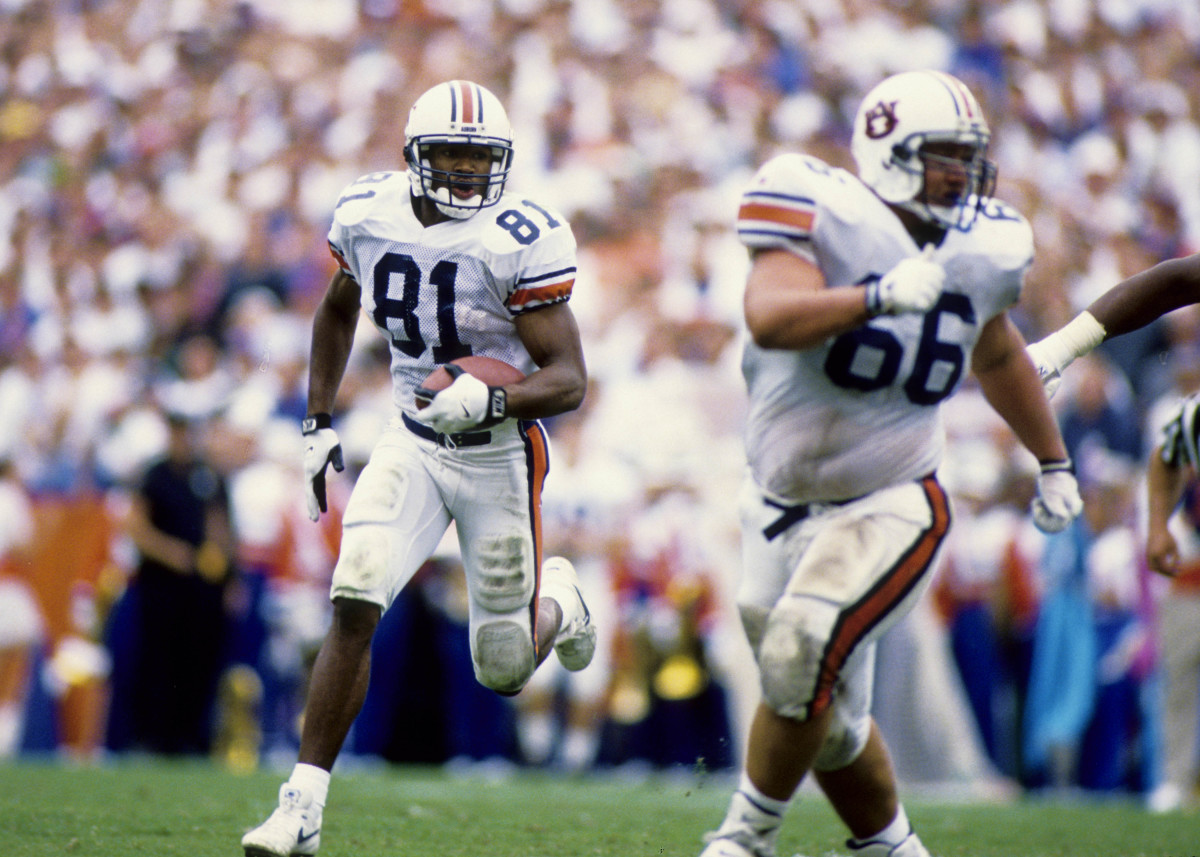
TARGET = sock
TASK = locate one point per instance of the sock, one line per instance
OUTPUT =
(313, 779)
(753, 810)
(892, 835)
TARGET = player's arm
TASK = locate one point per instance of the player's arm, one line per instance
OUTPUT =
(333, 330)
(1129, 305)
(787, 304)
(1134, 303)
(1164, 488)
(334, 324)
(551, 336)
(1011, 385)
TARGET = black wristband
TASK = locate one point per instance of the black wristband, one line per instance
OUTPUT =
(1056, 465)
(316, 422)
(497, 404)
(873, 300)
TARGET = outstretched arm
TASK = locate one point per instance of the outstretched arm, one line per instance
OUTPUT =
(1134, 303)
(1129, 305)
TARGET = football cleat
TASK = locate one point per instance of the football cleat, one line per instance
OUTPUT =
(910, 847)
(576, 641)
(294, 828)
(735, 843)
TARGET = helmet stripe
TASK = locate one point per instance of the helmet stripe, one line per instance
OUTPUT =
(959, 94)
(453, 102)
(468, 102)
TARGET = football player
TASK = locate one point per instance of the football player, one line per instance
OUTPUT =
(446, 262)
(868, 299)
(1171, 476)
(1129, 305)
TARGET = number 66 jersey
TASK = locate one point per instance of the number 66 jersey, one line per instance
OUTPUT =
(860, 411)
(422, 285)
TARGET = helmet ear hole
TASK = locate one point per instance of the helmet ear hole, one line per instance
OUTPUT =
(901, 152)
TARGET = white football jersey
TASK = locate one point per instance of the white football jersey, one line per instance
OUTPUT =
(452, 289)
(859, 412)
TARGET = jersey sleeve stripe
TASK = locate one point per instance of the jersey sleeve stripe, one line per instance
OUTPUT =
(341, 260)
(550, 275)
(800, 219)
(528, 298)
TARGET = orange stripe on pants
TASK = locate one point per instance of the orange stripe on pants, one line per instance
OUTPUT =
(537, 458)
(856, 621)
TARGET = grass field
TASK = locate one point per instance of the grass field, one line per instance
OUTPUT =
(198, 810)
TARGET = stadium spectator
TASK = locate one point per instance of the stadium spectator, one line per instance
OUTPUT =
(1086, 718)
(22, 627)
(179, 523)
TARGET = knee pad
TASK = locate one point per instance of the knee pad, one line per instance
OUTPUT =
(848, 733)
(362, 566)
(791, 653)
(503, 656)
(504, 576)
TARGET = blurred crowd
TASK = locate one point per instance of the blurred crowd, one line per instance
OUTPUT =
(167, 175)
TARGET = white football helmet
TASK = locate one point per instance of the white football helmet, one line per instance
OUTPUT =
(902, 114)
(462, 113)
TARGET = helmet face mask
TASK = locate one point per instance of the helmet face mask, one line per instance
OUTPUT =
(920, 142)
(453, 123)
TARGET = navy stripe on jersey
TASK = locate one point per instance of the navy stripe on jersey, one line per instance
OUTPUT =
(786, 197)
(563, 272)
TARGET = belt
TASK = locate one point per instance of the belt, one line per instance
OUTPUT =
(795, 514)
(449, 441)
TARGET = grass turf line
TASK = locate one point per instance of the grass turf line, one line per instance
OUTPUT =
(193, 808)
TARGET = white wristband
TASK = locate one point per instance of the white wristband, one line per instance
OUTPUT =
(1076, 338)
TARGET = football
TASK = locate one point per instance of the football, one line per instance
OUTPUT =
(489, 370)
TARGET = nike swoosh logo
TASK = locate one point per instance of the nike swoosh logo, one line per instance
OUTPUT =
(304, 837)
(587, 614)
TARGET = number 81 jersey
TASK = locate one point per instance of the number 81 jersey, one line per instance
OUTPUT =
(859, 411)
(452, 289)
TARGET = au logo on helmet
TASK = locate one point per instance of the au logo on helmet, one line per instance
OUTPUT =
(881, 119)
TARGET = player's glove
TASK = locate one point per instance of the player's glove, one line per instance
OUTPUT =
(321, 449)
(466, 404)
(1057, 502)
(1056, 352)
(912, 286)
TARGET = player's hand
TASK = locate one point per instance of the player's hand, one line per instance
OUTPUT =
(912, 286)
(1050, 373)
(1057, 502)
(321, 449)
(1162, 553)
(466, 404)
